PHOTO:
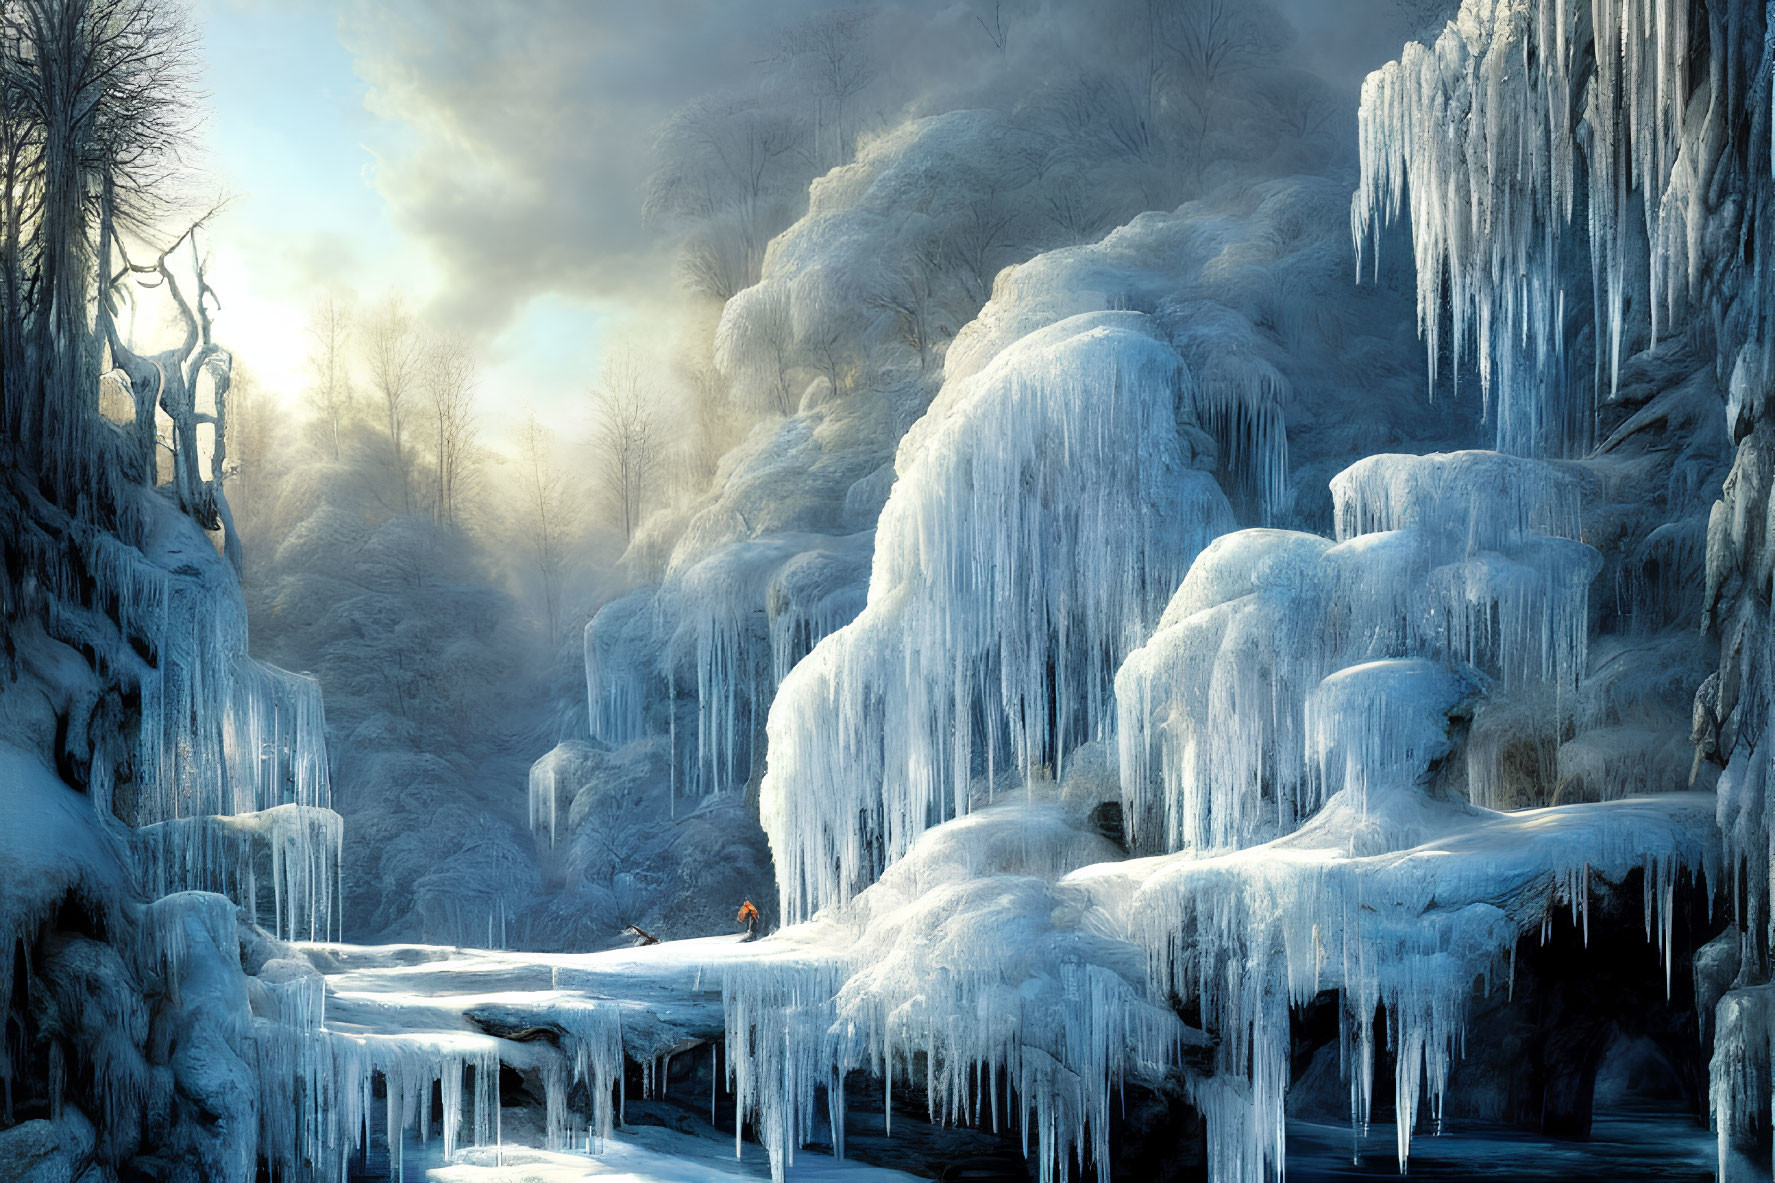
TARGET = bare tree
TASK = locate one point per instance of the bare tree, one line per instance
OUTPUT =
(996, 30)
(1076, 209)
(94, 99)
(831, 351)
(832, 51)
(1100, 110)
(170, 379)
(987, 232)
(730, 171)
(1210, 41)
(252, 419)
(712, 420)
(392, 355)
(755, 345)
(548, 515)
(627, 440)
(909, 292)
(329, 360)
(1300, 101)
(450, 386)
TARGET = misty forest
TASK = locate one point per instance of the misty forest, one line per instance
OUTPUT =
(1074, 591)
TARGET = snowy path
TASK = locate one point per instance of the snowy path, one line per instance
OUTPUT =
(669, 994)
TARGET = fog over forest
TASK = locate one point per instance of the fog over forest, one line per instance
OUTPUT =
(1116, 590)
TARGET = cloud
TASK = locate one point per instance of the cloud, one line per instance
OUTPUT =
(528, 138)
(511, 145)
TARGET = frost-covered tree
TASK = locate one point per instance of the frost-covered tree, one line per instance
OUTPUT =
(831, 51)
(94, 103)
(547, 511)
(628, 444)
(729, 173)
(712, 421)
(169, 382)
(758, 349)
(449, 378)
(420, 650)
(391, 355)
(1208, 42)
(330, 334)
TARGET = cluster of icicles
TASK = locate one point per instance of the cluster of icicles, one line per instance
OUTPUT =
(1501, 152)
(233, 794)
(738, 618)
(316, 1092)
(1469, 557)
(1044, 508)
(1535, 137)
(1334, 673)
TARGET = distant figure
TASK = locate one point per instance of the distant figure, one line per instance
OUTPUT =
(641, 935)
(749, 917)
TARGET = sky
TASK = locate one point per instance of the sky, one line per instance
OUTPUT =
(484, 161)
(485, 169)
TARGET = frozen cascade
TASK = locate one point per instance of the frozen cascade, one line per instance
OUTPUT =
(317, 1081)
(592, 1047)
(1483, 500)
(232, 769)
(316, 1092)
(1045, 506)
(616, 690)
(1648, 122)
(552, 781)
(780, 1049)
(745, 613)
(1379, 725)
(1741, 1085)
(299, 845)
(1500, 136)
(813, 595)
(1393, 898)
(735, 621)
(222, 733)
(1442, 556)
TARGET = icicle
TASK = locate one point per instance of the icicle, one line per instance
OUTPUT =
(985, 593)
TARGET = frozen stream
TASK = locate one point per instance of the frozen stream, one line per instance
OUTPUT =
(1623, 1147)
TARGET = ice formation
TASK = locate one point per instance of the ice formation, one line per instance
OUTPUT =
(965, 965)
(1542, 143)
(1503, 143)
(721, 632)
(616, 642)
(318, 1062)
(1408, 928)
(298, 848)
(1441, 556)
(1044, 507)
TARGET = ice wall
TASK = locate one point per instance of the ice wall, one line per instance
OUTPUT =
(967, 973)
(1598, 177)
(231, 790)
(1522, 164)
(1043, 509)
